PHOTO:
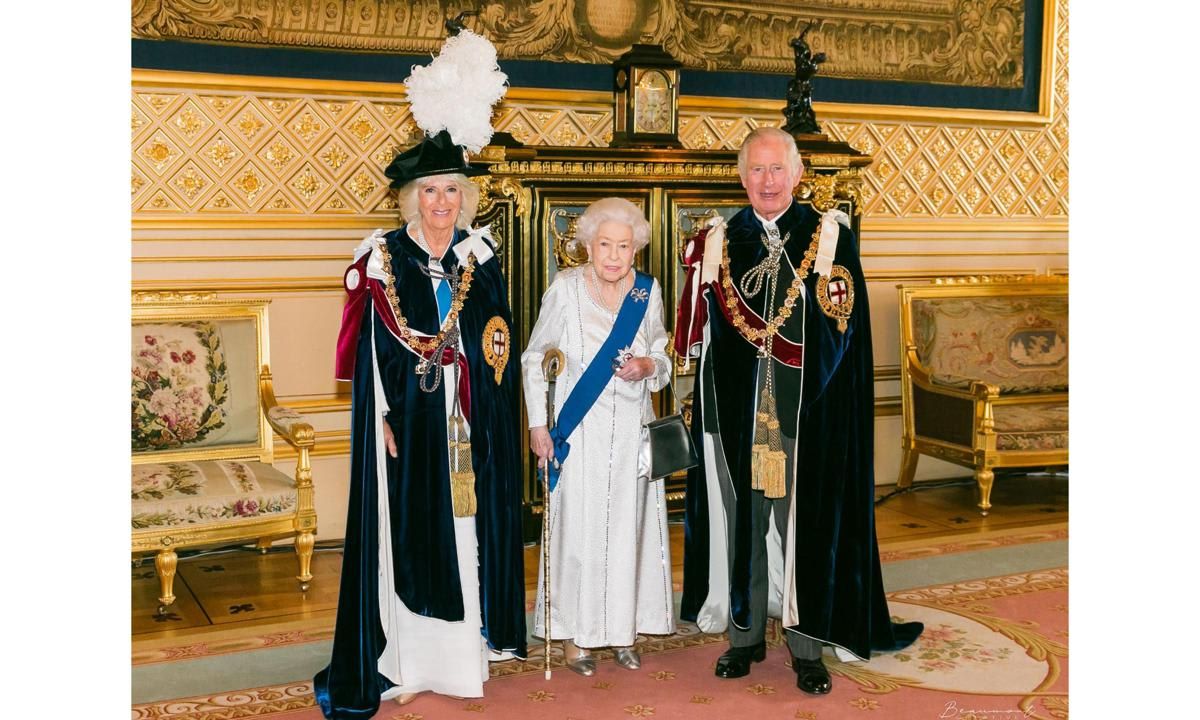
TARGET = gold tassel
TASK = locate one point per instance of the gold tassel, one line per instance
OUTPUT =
(462, 476)
(774, 462)
(768, 461)
(462, 493)
(759, 448)
(758, 451)
(774, 474)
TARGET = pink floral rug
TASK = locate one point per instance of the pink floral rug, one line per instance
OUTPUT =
(320, 627)
(993, 648)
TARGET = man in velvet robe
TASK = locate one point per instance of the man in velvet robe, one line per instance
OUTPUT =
(809, 556)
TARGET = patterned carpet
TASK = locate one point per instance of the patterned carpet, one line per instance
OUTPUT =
(290, 633)
(993, 648)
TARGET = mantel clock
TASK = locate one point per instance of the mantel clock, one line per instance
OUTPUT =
(646, 98)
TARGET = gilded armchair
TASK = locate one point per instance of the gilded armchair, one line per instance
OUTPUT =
(984, 375)
(203, 416)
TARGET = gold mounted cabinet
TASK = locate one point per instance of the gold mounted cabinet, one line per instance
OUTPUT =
(646, 98)
(534, 196)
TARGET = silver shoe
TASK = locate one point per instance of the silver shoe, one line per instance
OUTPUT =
(584, 665)
(627, 658)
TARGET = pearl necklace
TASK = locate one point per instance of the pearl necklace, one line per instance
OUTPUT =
(593, 281)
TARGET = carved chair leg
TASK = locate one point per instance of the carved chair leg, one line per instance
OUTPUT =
(164, 563)
(263, 545)
(304, 553)
(985, 477)
(908, 467)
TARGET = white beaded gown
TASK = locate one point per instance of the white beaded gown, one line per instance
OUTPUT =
(610, 562)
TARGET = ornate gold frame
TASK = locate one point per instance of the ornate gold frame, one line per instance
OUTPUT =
(302, 523)
(727, 39)
(980, 399)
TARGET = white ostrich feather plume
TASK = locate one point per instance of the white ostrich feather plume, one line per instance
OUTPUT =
(457, 90)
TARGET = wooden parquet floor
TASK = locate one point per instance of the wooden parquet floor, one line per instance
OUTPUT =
(222, 594)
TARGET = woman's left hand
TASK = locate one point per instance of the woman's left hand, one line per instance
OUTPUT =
(638, 368)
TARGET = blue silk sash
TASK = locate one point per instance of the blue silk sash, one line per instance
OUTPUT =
(599, 371)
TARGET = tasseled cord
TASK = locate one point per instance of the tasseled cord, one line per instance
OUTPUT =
(462, 474)
(768, 461)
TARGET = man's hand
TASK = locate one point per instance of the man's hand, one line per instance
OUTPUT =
(389, 441)
(638, 368)
(541, 444)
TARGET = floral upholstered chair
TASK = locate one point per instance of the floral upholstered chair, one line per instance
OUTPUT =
(203, 418)
(983, 374)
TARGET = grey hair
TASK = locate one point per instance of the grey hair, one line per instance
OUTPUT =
(763, 132)
(410, 204)
(613, 209)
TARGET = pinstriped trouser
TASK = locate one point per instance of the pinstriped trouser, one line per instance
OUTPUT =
(761, 510)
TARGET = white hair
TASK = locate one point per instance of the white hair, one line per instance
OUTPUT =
(762, 133)
(613, 209)
(410, 204)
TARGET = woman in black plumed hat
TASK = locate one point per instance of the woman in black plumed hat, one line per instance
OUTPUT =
(432, 584)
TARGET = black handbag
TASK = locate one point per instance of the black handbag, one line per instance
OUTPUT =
(671, 448)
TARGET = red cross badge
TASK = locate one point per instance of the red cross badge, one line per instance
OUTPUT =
(496, 344)
(838, 291)
(835, 295)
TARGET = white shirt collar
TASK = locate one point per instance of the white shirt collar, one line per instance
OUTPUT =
(770, 226)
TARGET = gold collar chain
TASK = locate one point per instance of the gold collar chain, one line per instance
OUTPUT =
(785, 311)
(422, 344)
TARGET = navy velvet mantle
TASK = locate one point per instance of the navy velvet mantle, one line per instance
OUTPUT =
(838, 581)
(425, 560)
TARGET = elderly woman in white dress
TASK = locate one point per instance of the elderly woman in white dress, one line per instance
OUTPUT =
(610, 563)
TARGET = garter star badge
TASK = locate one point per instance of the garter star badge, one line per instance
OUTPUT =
(496, 345)
(624, 355)
(835, 295)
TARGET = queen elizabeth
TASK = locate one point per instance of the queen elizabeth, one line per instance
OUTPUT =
(610, 564)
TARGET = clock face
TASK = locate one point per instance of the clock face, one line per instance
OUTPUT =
(652, 103)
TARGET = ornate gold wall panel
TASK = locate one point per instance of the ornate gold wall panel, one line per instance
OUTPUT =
(222, 148)
(218, 148)
(932, 170)
(960, 42)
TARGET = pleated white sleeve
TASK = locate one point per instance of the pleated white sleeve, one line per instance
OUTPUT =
(652, 324)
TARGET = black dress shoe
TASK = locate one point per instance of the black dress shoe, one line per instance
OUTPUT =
(811, 676)
(735, 662)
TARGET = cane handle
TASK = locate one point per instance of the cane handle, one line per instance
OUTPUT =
(552, 363)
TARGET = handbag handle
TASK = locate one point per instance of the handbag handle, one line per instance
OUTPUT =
(670, 385)
(671, 356)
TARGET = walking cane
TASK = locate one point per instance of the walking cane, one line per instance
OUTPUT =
(552, 364)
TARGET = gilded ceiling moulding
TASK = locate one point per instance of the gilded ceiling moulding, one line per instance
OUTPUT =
(975, 43)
